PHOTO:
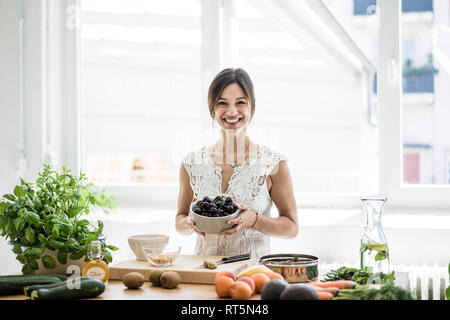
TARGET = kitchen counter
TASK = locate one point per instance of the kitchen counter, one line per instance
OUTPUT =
(115, 290)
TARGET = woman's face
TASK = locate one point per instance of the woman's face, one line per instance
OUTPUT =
(232, 110)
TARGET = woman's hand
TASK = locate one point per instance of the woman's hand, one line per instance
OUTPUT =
(245, 219)
(187, 224)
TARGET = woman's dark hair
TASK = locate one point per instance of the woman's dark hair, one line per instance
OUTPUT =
(225, 78)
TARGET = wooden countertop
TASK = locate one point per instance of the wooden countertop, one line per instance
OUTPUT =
(115, 290)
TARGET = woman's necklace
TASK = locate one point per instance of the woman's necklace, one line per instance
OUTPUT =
(234, 163)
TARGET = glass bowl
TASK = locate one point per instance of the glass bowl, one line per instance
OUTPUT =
(162, 257)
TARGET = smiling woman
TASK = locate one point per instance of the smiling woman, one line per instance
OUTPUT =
(252, 175)
(241, 90)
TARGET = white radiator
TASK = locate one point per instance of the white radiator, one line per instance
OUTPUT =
(427, 282)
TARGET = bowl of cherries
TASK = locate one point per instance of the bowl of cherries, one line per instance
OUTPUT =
(211, 215)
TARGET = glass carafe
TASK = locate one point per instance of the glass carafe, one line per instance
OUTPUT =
(374, 251)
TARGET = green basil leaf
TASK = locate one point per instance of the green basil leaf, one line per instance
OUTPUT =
(19, 224)
(68, 228)
(48, 262)
(55, 230)
(111, 247)
(9, 227)
(83, 223)
(11, 212)
(17, 249)
(77, 255)
(22, 259)
(36, 252)
(9, 197)
(72, 245)
(92, 200)
(56, 244)
(33, 252)
(27, 269)
(33, 264)
(42, 238)
(47, 229)
(107, 258)
(19, 192)
(3, 221)
(48, 217)
(32, 218)
(3, 207)
(100, 226)
(62, 256)
(29, 235)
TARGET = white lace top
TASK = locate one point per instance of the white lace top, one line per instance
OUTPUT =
(247, 185)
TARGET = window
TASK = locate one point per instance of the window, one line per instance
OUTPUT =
(426, 77)
(409, 52)
(328, 75)
(141, 88)
(412, 136)
(310, 93)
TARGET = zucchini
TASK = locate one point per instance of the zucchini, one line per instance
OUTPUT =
(10, 285)
(90, 288)
(63, 277)
(28, 289)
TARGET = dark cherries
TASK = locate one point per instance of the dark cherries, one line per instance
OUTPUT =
(218, 207)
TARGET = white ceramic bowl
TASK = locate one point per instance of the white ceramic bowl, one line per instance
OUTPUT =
(212, 225)
(137, 242)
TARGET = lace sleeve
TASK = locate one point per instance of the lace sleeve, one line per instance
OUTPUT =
(189, 164)
(276, 157)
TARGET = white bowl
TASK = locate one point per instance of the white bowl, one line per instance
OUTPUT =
(212, 225)
(137, 242)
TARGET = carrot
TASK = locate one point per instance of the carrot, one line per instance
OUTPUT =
(332, 290)
(340, 284)
(324, 295)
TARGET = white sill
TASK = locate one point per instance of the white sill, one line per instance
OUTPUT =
(308, 217)
(391, 219)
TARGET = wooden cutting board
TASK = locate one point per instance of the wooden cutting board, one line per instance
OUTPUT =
(187, 266)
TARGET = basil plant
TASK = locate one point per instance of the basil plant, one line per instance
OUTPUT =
(50, 214)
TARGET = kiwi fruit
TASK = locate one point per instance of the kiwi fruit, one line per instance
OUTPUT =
(155, 277)
(170, 279)
(133, 280)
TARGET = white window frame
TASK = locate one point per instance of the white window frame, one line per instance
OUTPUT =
(49, 84)
(61, 110)
(390, 119)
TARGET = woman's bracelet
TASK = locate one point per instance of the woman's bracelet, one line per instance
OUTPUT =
(256, 219)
